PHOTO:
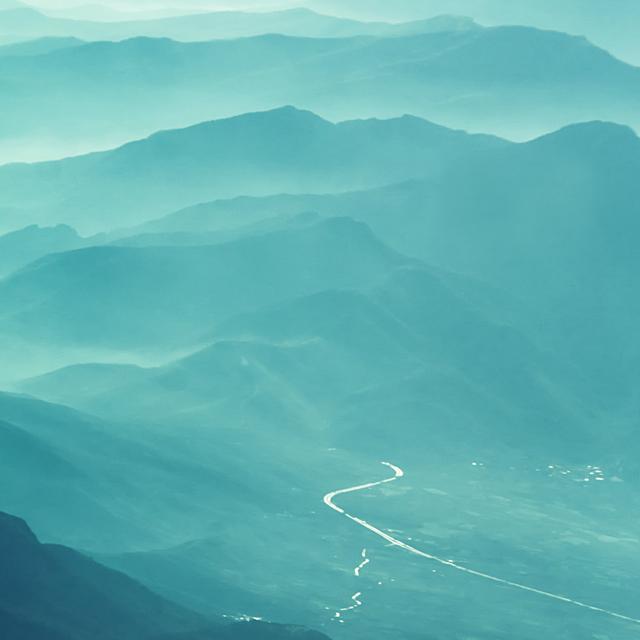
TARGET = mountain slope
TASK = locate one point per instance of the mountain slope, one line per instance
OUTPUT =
(261, 153)
(94, 483)
(573, 190)
(54, 592)
(552, 221)
(424, 368)
(21, 247)
(51, 592)
(307, 360)
(515, 81)
(38, 47)
(139, 298)
(30, 23)
(612, 30)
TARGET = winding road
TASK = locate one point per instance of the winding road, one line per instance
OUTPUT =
(399, 473)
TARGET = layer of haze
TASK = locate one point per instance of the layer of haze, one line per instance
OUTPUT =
(219, 324)
(614, 30)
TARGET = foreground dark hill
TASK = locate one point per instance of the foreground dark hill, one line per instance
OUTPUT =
(261, 153)
(51, 592)
(54, 593)
(111, 487)
(515, 81)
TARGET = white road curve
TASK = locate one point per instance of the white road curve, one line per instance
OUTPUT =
(356, 602)
(399, 473)
(365, 561)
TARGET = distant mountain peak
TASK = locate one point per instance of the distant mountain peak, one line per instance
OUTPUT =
(447, 22)
(291, 111)
(591, 134)
(599, 127)
(286, 114)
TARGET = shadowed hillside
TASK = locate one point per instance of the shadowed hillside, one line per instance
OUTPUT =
(54, 592)
(51, 592)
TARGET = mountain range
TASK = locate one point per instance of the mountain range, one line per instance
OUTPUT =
(53, 593)
(611, 30)
(299, 344)
(565, 185)
(200, 285)
(50, 592)
(26, 245)
(28, 22)
(318, 380)
(98, 479)
(572, 190)
(255, 154)
(217, 313)
(514, 81)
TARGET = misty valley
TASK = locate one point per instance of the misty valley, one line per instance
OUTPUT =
(319, 321)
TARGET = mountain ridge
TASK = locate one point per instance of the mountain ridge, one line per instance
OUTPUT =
(29, 21)
(517, 82)
(282, 149)
(324, 252)
(586, 135)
